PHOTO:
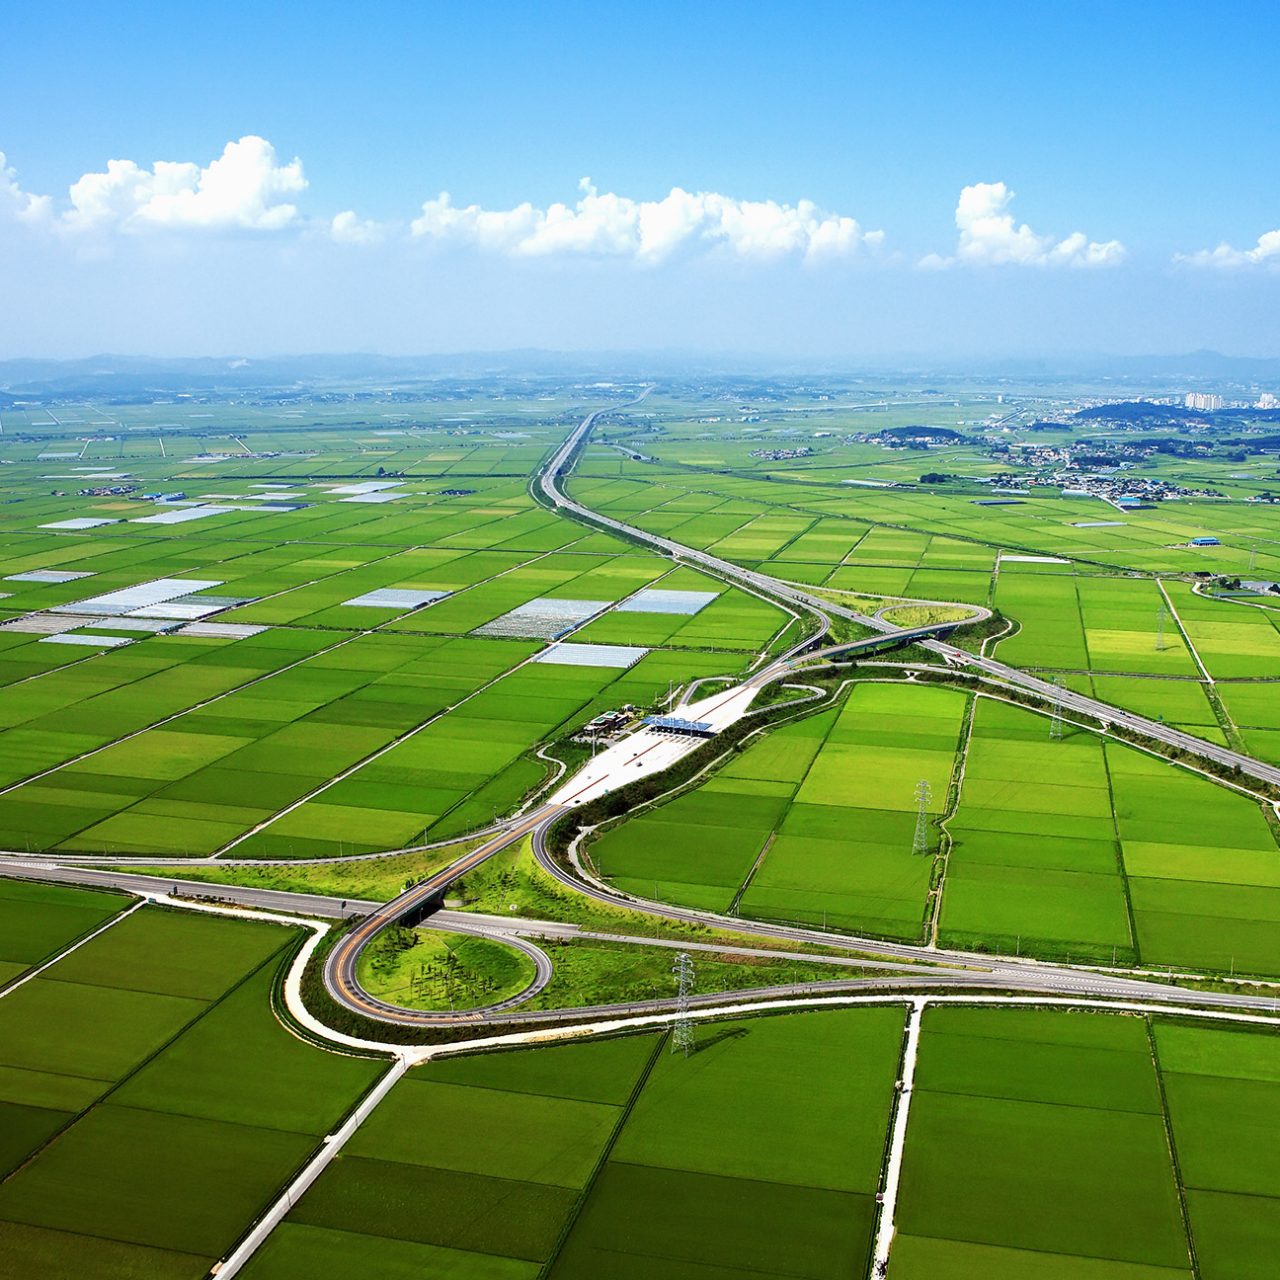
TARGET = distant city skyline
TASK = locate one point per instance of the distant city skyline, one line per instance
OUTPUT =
(985, 181)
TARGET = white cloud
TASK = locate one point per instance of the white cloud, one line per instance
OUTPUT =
(16, 203)
(248, 187)
(244, 188)
(609, 225)
(989, 236)
(348, 228)
(1265, 253)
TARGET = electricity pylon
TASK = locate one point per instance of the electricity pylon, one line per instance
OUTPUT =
(1055, 727)
(682, 1028)
(921, 842)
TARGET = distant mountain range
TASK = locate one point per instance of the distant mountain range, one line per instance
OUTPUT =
(132, 377)
(1194, 366)
(115, 375)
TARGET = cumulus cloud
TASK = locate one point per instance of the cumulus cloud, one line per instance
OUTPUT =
(246, 188)
(990, 236)
(604, 224)
(16, 203)
(348, 228)
(1265, 253)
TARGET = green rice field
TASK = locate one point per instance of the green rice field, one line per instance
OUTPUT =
(39, 920)
(814, 823)
(617, 1158)
(303, 724)
(302, 627)
(1091, 849)
(152, 1104)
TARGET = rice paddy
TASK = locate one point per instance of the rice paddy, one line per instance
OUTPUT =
(324, 635)
(615, 1157)
(815, 824)
(152, 1104)
(325, 679)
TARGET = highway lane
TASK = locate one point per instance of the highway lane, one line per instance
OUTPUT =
(326, 907)
(341, 968)
(550, 481)
(999, 973)
(341, 976)
(967, 971)
(971, 970)
(966, 967)
(1109, 715)
(281, 900)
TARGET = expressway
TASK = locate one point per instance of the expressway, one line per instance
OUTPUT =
(647, 751)
(550, 485)
(341, 975)
(341, 968)
(895, 966)
(963, 970)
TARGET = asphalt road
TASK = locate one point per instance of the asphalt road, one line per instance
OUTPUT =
(341, 976)
(968, 971)
(967, 968)
(304, 904)
(549, 482)
(341, 970)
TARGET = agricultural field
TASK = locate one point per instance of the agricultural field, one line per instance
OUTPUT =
(1222, 1090)
(327, 645)
(39, 920)
(1101, 1134)
(1120, 626)
(1233, 641)
(615, 1157)
(152, 1104)
(1075, 847)
(813, 824)
(302, 666)
(1076, 1176)
(1033, 856)
(1254, 708)
(707, 507)
(1068, 848)
(1114, 1148)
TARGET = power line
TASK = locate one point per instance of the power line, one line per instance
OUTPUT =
(921, 842)
(682, 1028)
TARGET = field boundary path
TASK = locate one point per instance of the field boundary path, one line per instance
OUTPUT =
(897, 1142)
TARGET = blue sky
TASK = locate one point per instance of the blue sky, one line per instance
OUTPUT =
(860, 179)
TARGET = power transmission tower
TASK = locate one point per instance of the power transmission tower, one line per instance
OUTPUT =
(1055, 727)
(1253, 551)
(682, 1028)
(921, 842)
(1160, 617)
